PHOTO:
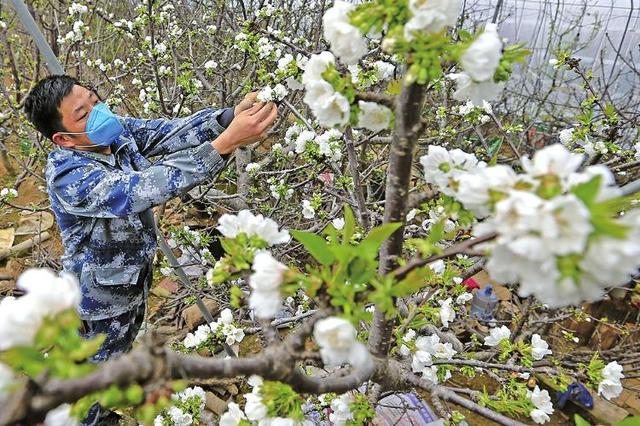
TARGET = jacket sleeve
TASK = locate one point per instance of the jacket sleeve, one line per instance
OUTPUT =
(91, 188)
(161, 137)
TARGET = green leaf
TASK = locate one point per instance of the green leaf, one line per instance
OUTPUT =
(349, 225)
(631, 421)
(580, 421)
(370, 245)
(360, 270)
(494, 148)
(588, 191)
(316, 245)
(413, 282)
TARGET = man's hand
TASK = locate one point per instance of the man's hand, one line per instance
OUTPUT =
(246, 103)
(247, 126)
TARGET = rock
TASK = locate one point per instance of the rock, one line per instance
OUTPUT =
(215, 404)
(6, 239)
(192, 315)
(169, 285)
(605, 337)
(34, 223)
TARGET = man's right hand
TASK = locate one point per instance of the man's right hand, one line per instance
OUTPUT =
(248, 126)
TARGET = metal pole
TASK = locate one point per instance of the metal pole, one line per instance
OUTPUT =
(182, 276)
(55, 68)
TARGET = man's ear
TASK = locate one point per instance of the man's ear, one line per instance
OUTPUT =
(64, 141)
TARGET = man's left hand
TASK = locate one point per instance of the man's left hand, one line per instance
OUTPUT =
(246, 103)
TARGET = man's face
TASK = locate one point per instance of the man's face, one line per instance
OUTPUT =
(75, 109)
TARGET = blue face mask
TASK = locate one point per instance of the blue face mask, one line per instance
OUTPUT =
(102, 128)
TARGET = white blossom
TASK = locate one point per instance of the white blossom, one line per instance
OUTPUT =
(210, 65)
(555, 160)
(303, 139)
(308, 212)
(566, 136)
(338, 343)
(346, 40)
(539, 348)
(431, 15)
(447, 314)
(542, 401)
(246, 222)
(252, 167)
(340, 410)
(179, 417)
(478, 191)
(8, 193)
(373, 116)
(385, 70)
(60, 416)
(195, 393)
(331, 108)
(443, 168)
(265, 282)
(438, 266)
(474, 91)
(338, 223)
(496, 335)
(78, 8)
(316, 65)
(329, 144)
(611, 387)
(233, 415)
(254, 408)
(464, 298)
(46, 295)
(481, 59)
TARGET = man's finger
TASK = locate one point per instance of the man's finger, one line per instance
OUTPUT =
(255, 108)
(251, 96)
(264, 112)
(268, 121)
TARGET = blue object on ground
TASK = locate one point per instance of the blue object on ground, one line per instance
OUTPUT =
(577, 393)
(484, 303)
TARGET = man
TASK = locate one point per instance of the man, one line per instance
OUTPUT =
(103, 186)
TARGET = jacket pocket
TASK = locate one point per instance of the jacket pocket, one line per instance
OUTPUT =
(125, 275)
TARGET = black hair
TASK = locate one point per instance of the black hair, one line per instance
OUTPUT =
(43, 101)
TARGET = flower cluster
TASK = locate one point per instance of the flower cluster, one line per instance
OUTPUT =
(255, 410)
(186, 410)
(444, 168)
(610, 387)
(8, 193)
(480, 62)
(427, 348)
(330, 107)
(341, 413)
(346, 40)
(328, 144)
(46, 295)
(252, 225)
(268, 94)
(339, 345)
(431, 16)
(223, 329)
(554, 234)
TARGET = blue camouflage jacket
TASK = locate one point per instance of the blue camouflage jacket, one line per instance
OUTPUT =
(103, 203)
